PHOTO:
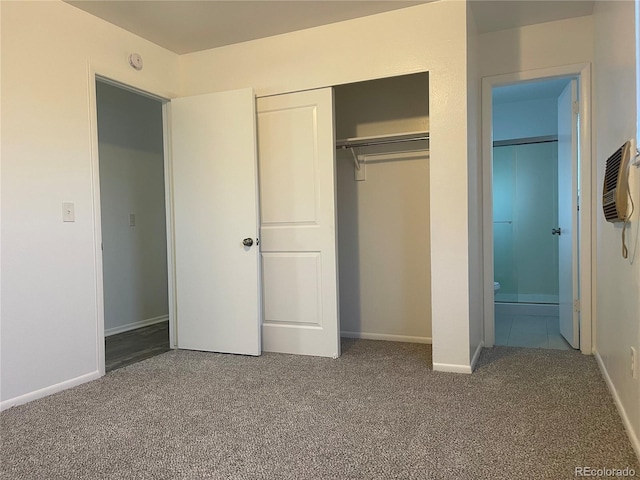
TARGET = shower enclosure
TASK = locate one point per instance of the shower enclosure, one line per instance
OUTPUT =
(525, 212)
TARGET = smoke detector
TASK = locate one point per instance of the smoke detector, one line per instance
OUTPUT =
(135, 60)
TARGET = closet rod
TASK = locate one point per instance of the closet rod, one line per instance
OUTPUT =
(369, 142)
(525, 141)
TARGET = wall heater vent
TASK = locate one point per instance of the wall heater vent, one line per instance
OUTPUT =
(615, 190)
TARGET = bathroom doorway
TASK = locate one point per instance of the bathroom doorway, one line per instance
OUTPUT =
(533, 151)
(526, 185)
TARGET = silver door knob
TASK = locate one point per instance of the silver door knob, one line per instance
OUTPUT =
(556, 231)
(247, 242)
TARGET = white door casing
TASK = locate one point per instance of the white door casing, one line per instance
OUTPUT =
(215, 207)
(298, 238)
(568, 214)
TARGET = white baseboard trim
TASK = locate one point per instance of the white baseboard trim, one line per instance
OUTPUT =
(387, 337)
(476, 356)
(45, 392)
(451, 368)
(132, 326)
(633, 436)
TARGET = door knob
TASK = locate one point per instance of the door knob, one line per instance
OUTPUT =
(247, 242)
(556, 231)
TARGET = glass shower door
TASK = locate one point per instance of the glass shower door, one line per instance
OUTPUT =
(525, 210)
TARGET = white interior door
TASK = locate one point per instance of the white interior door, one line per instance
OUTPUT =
(568, 214)
(215, 207)
(296, 150)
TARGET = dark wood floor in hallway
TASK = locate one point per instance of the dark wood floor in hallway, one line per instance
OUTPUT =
(135, 345)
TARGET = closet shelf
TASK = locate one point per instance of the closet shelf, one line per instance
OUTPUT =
(381, 140)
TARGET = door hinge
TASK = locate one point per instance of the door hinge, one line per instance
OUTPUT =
(576, 305)
(575, 107)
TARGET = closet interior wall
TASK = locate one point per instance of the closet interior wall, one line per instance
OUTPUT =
(383, 220)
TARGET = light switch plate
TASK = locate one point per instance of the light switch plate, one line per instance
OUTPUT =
(68, 212)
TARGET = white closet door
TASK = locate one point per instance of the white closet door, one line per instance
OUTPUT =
(215, 208)
(296, 150)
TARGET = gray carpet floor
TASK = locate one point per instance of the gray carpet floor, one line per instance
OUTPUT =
(377, 412)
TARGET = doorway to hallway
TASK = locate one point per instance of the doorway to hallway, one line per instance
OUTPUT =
(133, 225)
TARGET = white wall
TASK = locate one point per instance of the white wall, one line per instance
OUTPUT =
(383, 222)
(544, 45)
(49, 301)
(429, 37)
(618, 281)
(526, 119)
(382, 107)
(132, 182)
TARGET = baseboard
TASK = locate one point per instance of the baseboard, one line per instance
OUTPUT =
(476, 356)
(132, 326)
(451, 368)
(387, 337)
(633, 436)
(45, 392)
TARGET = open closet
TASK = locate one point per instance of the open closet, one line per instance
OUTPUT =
(382, 181)
(363, 198)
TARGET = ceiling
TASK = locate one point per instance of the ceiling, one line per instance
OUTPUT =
(495, 15)
(185, 26)
(522, 92)
(189, 26)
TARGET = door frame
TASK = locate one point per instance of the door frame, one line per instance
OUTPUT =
(586, 235)
(94, 76)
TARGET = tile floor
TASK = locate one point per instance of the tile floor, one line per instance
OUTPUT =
(532, 331)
